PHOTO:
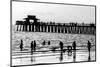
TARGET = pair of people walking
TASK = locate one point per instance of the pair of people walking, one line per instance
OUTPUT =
(33, 46)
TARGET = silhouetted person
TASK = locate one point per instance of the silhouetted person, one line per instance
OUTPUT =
(61, 45)
(43, 43)
(21, 45)
(89, 48)
(74, 50)
(32, 48)
(48, 42)
(74, 45)
(61, 50)
(34, 45)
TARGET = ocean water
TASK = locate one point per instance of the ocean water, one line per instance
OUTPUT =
(44, 54)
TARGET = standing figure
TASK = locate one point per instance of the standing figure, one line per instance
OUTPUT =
(74, 51)
(61, 50)
(34, 46)
(89, 48)
(48, 42)
(61, 45)
(21, 45)
(44, 43)
(31, 47)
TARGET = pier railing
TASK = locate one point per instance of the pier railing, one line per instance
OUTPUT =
(36, 26)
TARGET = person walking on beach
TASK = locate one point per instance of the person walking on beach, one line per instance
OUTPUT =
(34, 46)
(89, 48)
(61, 50)
(61, 46)
(48, 42)
(44, 43)
(21, 45)
(89, 45)
(74, 45)
(74, 50)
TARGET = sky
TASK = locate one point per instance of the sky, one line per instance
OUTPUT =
(53, 12)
